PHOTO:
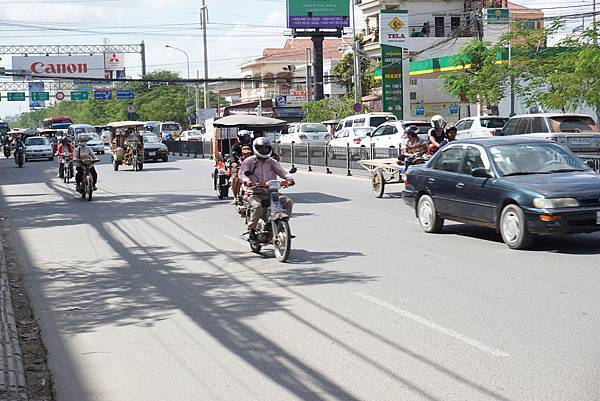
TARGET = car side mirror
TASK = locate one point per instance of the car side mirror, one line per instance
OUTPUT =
(481, 172)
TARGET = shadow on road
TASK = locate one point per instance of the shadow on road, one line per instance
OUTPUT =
(315, 197)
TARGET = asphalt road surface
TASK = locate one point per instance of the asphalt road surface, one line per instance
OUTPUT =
(148, 293)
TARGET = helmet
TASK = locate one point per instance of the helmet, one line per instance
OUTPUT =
(83, 139)
(451, 127)
(413, 129)
(262, 142)
(245, 137)
(437, 121)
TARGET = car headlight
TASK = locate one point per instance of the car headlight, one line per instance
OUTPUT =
(554, 203)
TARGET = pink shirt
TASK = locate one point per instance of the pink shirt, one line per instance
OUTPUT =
(264, 170)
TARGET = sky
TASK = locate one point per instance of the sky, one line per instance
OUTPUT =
(238, 30)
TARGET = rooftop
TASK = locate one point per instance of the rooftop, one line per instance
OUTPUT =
(294, 50)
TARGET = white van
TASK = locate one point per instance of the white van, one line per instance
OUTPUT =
(365, 120)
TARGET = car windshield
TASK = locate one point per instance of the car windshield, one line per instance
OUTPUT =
(151, 139)
(94, 137)
(362, 132)
(530, 158)
(377, 121)
(573, 124)
(36, 141)
(85, 130)
(495, 122)
(313, 128)
(171, 127)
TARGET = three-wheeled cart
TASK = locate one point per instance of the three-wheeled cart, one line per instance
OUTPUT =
(383, 172)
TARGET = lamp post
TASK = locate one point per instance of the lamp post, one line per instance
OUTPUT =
(188, 66)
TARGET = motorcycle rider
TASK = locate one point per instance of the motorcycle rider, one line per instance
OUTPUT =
(413, 148)
(83, 154)
(262, 168)
(244, 140)
(18, 144)
(451, 132)
(436, 134)
(6, 145)
(64, 147)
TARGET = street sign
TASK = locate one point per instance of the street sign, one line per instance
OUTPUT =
(123, 95)
(16, 96)
(357, 107)
(453, 109)
(393, 33)
(59, 96)
(103, 95)
(498, 15)
(130, 108)
(40, 96)
(420, 110)
(79, 95)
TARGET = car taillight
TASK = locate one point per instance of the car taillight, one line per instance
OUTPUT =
(493, 132)
(302, 136)
(357, 141)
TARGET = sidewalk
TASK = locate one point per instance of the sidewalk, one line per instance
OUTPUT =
(12, 377)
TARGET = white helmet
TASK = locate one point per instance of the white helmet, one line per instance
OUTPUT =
(260, 142)
(437, 121)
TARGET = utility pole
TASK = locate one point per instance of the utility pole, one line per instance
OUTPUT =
(594, 22)
(197, 97)
(318, 66)
(357, 64)
(512, 78)
(307, 55)
(204, 19)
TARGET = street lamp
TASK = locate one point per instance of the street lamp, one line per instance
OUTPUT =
(188, 65)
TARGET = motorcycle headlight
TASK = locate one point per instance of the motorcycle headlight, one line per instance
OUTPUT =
(554, 203)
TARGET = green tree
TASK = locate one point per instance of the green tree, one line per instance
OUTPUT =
(329, 109)
(343, 71)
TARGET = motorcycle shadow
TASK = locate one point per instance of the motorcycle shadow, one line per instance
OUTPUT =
(304, 257)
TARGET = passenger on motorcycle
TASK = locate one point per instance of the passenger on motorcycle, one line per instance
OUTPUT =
(436, 134)
(84, 155)
(64, 147)
(235, 159)
(262, 168)
(18, 143)
(451, 132)
(413, 148)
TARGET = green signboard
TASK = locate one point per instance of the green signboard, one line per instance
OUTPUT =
(498, 15)
(325, 14)
(40, 96)
(80, 95)
(16, 96)
(392, 89)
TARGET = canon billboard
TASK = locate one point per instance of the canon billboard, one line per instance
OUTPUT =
(60, 66)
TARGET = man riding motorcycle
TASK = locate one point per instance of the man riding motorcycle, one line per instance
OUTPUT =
(65, 150)
(244, 140)
(84, 155)
(256, 171)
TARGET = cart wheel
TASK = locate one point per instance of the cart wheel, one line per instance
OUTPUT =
(378, 183)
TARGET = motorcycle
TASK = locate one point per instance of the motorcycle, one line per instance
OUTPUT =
(86, 188)
(65, 168)
(20, 155)
(6, 148)
(273, 227)
(222, 179)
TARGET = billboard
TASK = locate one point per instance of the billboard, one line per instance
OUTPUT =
(394, 28)
(114, 61)
(60, 66)
(393, 36)
(33, 88)
(318, 14)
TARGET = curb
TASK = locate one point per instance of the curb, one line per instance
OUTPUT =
(12, 374)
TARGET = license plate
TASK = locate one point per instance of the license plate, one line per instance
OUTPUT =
(598, 218)
(151, 153)
(580, 141)
(315, 137)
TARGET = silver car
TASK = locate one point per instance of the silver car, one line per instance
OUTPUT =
(38, 147)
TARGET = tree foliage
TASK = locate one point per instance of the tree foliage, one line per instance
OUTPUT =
(343, 71)
(329, 109)
(153, 101)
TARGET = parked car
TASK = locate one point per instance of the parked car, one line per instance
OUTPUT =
(391, 134)
(365, 120)
(478, 127)
(351, 136)
(577, 132)
(191, 135)
(96, 143)
(169, 130)
(154, 149)
(38, 147)
(305, 133)
(522, 187)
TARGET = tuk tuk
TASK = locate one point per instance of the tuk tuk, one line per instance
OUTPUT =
(225, 135)
(127, 144)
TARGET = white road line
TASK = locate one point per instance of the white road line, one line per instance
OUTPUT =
(434, 326)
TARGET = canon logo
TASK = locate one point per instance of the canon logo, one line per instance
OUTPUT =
(41, 68)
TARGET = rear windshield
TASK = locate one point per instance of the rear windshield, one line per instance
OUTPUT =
(86, 130)
(151, 139)
(493, 122)
(377, 121)
(171, 127)
(36, 141)
(572, 124)
(313, 128)
(94, 137)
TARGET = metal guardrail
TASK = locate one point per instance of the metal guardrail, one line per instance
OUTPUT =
(329, 157)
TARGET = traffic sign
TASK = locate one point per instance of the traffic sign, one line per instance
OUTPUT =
(40, 96)
(16, 96)
(420, 110)
(123, 95)
(59, 95)
(103, 95)
(357, 107)
(130, 108)
(78, 95)
(453, 109)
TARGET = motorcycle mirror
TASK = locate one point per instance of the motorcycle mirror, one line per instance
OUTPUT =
(293, 170)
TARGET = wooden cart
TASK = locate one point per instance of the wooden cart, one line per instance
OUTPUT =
(383, 172)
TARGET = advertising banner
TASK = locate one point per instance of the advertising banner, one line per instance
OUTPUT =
(318, 14)
(114, 61)
(393, 33)
(60, 66)
(34, 101)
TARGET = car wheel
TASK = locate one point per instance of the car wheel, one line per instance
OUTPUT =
(430, 221)
(165, 159)
(513, 228)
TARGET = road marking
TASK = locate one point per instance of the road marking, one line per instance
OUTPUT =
(434, 326)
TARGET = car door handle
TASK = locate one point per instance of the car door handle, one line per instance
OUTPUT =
(460, 185)
(431, 180)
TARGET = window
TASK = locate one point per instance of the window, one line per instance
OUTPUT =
(414, 82)
(313, 128)
(348, 123)
(413, 95)
(472, 161)
(538, 125)
(449, 159)
(379, 131)
(464, 125)
(377, 121)
(524, 126)
(493, 122)
(454, 24)
(359, 122)
(572, 124)
(439, 27)
(511, 127)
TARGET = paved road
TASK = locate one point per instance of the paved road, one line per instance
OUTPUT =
(147, 293)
